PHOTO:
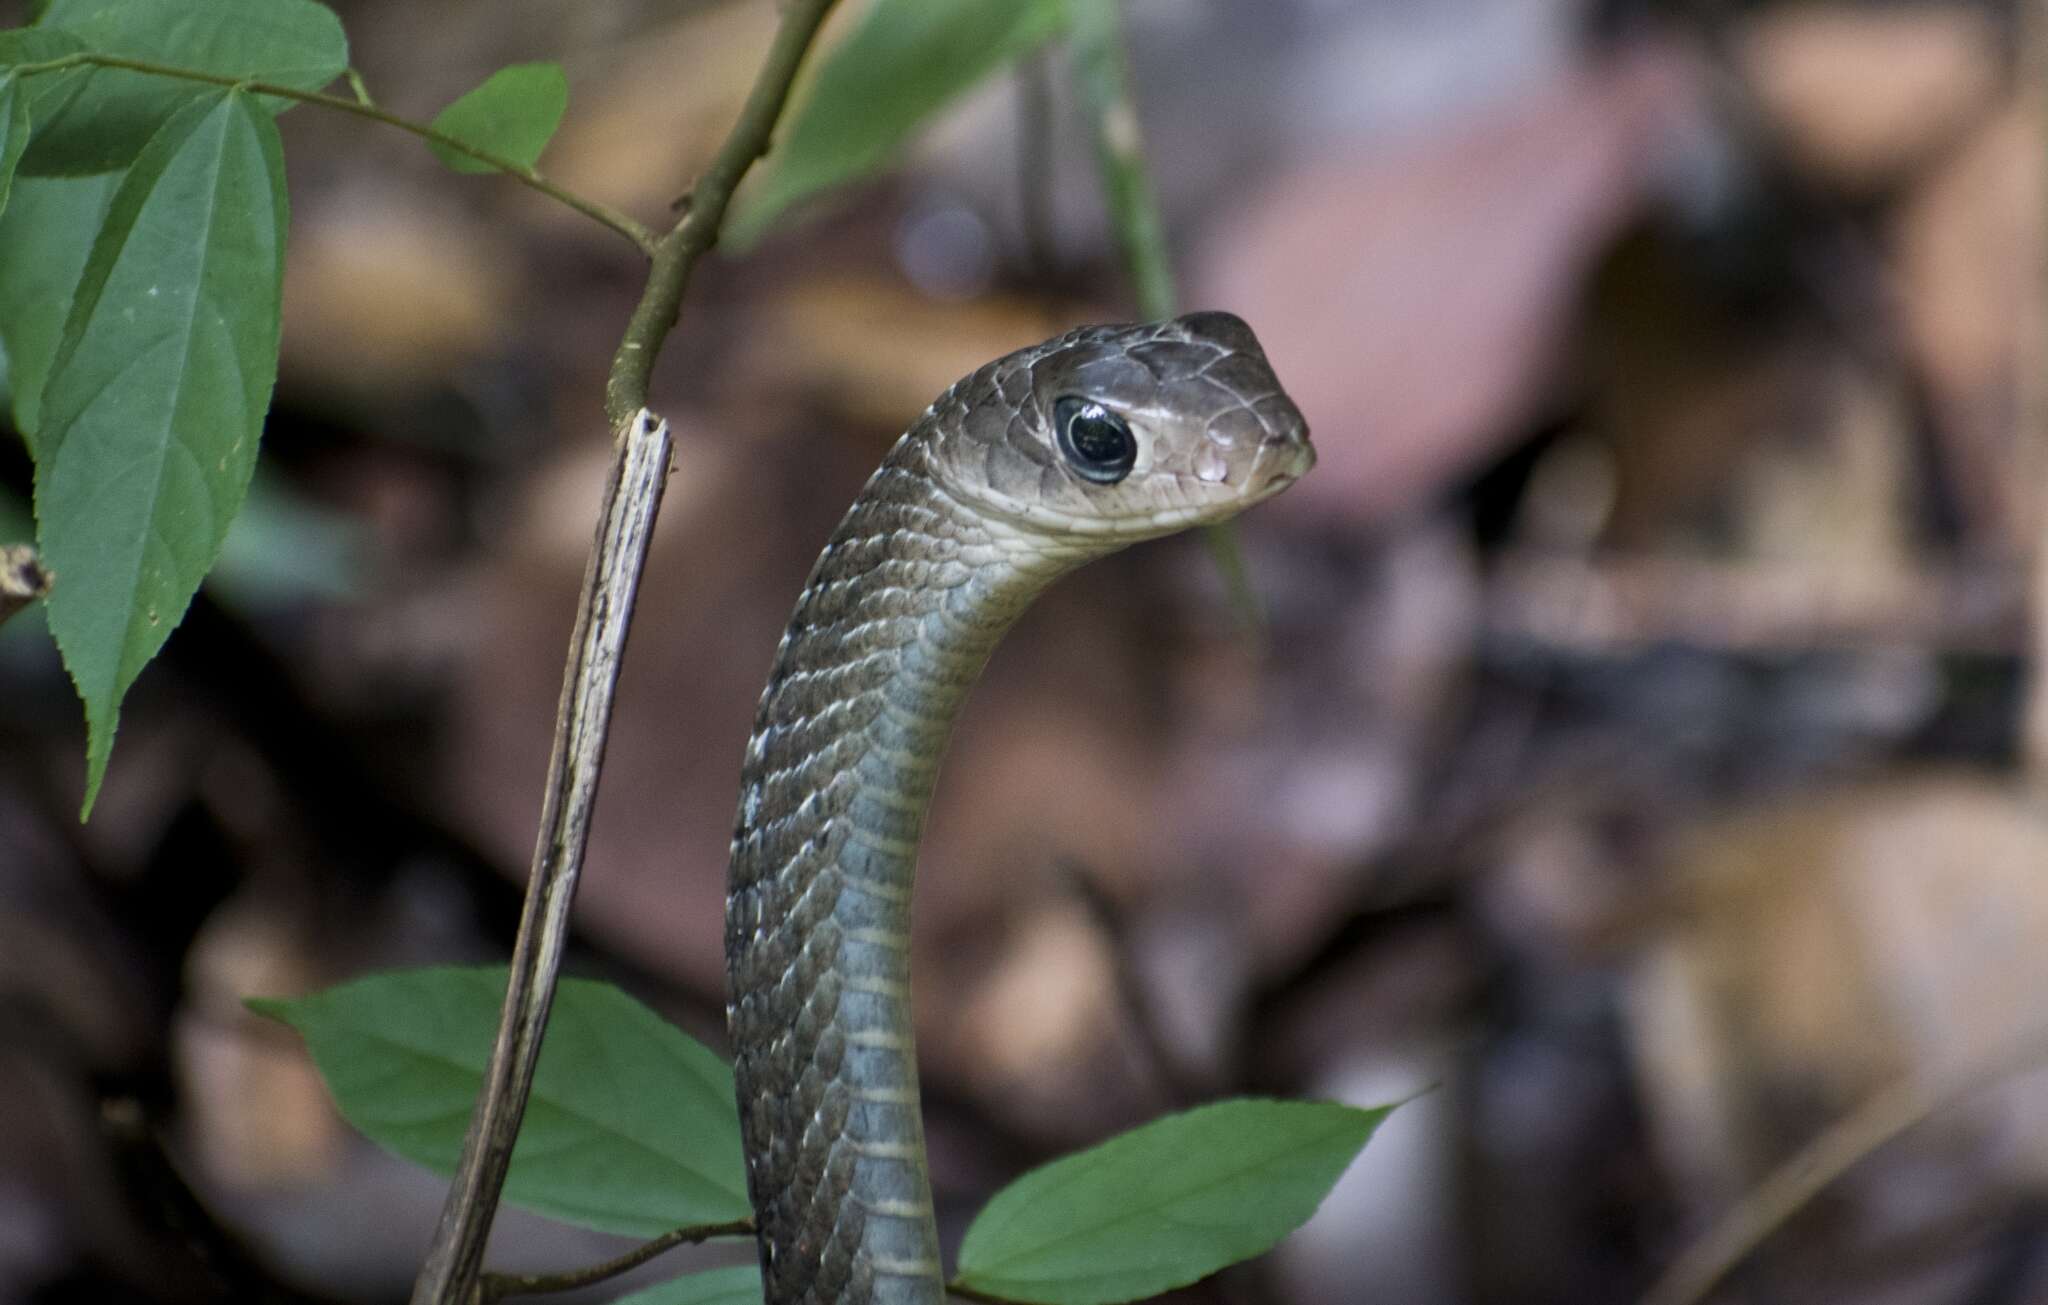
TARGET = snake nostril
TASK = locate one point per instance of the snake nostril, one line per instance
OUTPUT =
(1287, 437)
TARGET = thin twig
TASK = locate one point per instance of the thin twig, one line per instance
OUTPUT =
(1793, 1185)
(497, 1286)
(697, 230)
(1181, 1084)
(361, 107)
(632, 496)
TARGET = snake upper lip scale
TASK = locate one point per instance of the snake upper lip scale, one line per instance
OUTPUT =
(1034, 464)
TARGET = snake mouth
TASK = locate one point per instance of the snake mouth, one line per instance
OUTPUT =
(1301, 460)
(1284, 457)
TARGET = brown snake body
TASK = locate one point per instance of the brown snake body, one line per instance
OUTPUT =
(1036, 463)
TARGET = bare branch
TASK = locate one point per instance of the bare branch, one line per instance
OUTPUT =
(1815, 1167)
(632, 497)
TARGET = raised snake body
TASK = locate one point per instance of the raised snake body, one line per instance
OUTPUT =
(1022, 471)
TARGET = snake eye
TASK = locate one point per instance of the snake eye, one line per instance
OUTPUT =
(1093, 440)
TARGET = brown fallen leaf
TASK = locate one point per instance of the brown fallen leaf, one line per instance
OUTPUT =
(1820, 952)
(1859, 93)
(1416, 300)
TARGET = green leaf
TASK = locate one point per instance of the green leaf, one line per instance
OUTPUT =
(48, 91)
(155, 399)
(513, 114)
(284, 550)
(13, 131)
(20, 45)
(740, 1285)
(45, 234)
(16, 525)
(106, 114)
(631, 1126)
(906, 60)
(1101, 76)
(1163, 1205)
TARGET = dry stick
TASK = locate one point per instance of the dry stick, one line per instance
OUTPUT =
(22, 579)
(633, 494)
(1182, 1085)
(1791, 1187)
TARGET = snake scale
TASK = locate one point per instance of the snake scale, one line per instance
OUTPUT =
(1032, 465)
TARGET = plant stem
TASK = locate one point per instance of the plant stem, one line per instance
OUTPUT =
(632, 496)
(497, 1286)
(676, 255)
(641, 236)
(1839, 1147)
(1102, 75)
(1180, 1084)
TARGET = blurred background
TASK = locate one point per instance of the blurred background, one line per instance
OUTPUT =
(1641, 753)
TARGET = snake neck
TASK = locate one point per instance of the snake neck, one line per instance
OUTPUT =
(901, 612)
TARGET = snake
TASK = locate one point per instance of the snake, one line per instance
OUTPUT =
(1038, 462)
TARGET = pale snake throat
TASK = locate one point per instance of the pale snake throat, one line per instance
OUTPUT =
(1036, 463)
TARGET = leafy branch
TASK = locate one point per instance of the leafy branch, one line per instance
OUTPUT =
(362, 107)
(693, 235)
(597, 647)
(656, 1144)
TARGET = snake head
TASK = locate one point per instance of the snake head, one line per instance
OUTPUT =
(1120, 431)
